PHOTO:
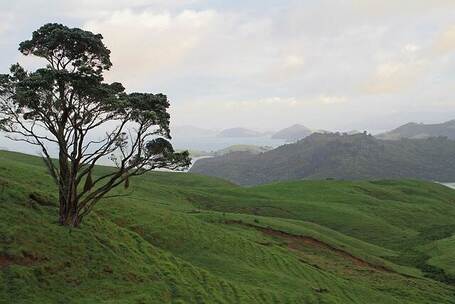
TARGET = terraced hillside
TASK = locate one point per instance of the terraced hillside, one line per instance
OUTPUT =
(184, 238)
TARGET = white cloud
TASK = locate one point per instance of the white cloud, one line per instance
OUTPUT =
(411, 48)
(401, 8)
(393, 77)
(6, 22)
(445, 42)
(149, 43)
(332, 100)
(217, 60)
(293, 61)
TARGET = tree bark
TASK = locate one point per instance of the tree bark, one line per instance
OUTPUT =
(70, 219)
(63, 188)
(68, 203)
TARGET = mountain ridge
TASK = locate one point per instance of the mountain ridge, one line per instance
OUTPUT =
(335, 155)
(421, 130)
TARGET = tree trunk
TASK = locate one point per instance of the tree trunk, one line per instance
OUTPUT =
(68, 211)
(71, 219)
(63, 188)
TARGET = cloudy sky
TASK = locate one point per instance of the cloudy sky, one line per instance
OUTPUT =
(331, 64)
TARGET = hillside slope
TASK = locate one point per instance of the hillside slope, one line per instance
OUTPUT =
(418, 131)
(184, 238)
(340, 156)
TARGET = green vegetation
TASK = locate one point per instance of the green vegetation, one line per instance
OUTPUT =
(340, 156)
(185, 238)
(418, 131)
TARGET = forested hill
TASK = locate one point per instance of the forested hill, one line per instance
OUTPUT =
(340, 156)
(415, 130)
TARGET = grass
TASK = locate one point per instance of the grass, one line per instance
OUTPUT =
(185, 238)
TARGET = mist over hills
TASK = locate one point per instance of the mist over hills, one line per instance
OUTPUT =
(292, 133)
(340, 156)
(240, 132)
(212, 140)
(192, 131)
(420, 130)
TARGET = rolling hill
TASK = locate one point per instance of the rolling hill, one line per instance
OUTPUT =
(186, 238)
(418, 131)
(340, 156)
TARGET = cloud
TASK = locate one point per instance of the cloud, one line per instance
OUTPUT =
(149, 43)
(393, 77)
(84, 9)
(248, 112)
(400, 8)
(293, 61)
(410, 48)
(404, 70)
(445, 42)
(6, 22)
(236, 63)
(332, 100)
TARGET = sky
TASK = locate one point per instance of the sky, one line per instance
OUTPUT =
(334, 65)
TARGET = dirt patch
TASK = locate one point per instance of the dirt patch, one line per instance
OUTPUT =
(26, 260)
(295, 241)
(5, 261)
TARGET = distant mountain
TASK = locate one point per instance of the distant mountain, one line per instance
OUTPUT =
(191, 131)
(239, 132)
(340, 156)
(416, 131)
(292, 133)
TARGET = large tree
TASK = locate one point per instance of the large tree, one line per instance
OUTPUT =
(67, 107)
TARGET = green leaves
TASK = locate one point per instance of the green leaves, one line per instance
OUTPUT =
(159, 146)
(150, 109)
(63, 47)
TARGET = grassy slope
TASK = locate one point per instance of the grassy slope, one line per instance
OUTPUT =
(188, 238)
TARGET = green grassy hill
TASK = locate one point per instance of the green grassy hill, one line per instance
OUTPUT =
(185, 238)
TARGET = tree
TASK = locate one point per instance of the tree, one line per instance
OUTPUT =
(68, 107)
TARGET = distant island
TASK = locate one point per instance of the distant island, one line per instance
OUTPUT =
(293, 133)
